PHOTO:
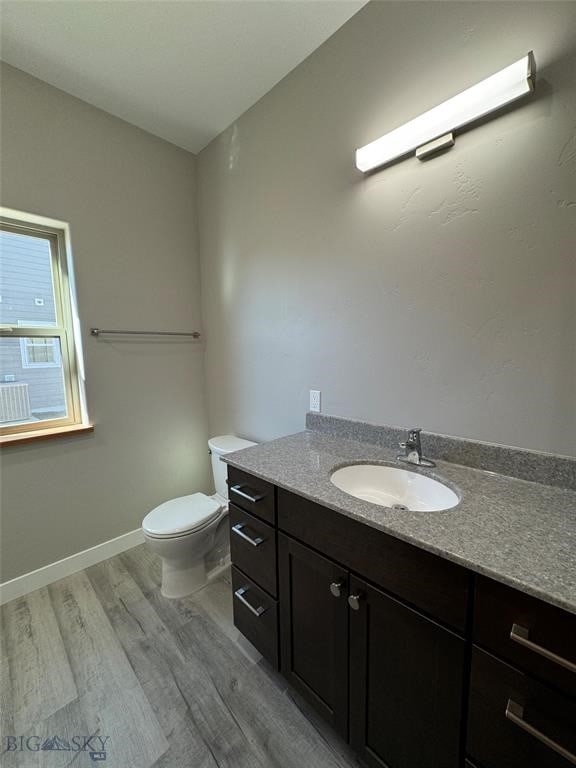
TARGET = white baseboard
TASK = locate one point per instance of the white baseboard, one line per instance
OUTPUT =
(28, 582)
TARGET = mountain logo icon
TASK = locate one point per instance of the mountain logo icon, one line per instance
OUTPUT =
(55, 743)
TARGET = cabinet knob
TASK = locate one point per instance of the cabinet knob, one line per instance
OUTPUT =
(354, 601)
(336, 588)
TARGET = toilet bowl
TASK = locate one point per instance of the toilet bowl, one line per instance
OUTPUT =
(182, 531)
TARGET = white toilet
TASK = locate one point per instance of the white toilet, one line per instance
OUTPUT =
(182, 531)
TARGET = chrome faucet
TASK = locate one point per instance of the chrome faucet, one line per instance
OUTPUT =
(413, 450)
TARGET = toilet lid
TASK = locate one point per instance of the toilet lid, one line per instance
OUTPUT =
(182, 515)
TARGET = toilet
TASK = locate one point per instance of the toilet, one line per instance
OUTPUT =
(182, 531)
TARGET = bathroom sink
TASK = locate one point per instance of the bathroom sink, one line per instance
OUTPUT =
(394, 487)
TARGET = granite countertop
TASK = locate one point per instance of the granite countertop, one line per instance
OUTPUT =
(518, 532)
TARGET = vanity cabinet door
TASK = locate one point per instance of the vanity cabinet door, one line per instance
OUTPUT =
(314, 629)
(406, 684)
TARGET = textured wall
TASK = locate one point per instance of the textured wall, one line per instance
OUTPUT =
(130, 202)
(441, 293)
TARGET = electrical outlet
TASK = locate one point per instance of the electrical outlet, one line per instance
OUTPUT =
(315, 400)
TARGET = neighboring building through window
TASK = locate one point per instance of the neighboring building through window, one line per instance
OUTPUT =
(38, 352)
(41, 381)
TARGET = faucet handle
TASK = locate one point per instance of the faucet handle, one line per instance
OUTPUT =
(413, 449)
(413, 438)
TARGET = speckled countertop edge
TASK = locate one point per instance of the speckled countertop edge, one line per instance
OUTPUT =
(518, 532)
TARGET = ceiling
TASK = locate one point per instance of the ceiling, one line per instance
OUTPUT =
(182, 70)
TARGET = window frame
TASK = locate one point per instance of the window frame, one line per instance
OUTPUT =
(66, 328)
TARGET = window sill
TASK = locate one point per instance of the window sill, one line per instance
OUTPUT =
(46, 434)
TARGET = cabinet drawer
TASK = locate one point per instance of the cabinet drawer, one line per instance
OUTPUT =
(252, 494)
(515, 721)
(533, 635)
(436, 586)
(255, 615)
(253, 548)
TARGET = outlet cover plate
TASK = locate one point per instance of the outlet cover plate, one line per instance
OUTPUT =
(315, 400)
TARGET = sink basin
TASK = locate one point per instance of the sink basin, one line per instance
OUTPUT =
(394, 487)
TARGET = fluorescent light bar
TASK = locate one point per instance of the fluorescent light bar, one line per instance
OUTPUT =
(502, 88)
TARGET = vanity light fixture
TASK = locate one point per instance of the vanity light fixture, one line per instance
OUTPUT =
(432, 131)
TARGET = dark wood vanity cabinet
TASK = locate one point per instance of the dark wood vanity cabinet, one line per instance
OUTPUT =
(256, 615)
(414, 660)
(252, 494)
(522, 709)
(406, 684)
(314, 629)
(435, 586)
(383, 675)
(253, 549)
(515, 721)
(528, 633)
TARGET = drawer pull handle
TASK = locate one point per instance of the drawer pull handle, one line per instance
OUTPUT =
(239, 595)
(237, 529)
(520, 635)
(515, 713)
(237, 489)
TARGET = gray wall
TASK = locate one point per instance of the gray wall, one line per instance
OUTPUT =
(441, 294)
(130, 201)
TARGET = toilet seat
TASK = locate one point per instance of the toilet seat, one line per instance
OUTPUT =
(181, 516)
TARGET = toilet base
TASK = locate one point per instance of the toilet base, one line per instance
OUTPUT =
(180, 581)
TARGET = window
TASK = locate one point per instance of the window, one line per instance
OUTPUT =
(41, 380)
(38, 352)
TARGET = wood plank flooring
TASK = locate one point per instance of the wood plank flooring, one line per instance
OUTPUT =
(128, 679)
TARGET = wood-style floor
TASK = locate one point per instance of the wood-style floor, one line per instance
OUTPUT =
(165, 683)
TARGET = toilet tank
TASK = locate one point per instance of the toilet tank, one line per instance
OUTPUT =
(218, 447)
